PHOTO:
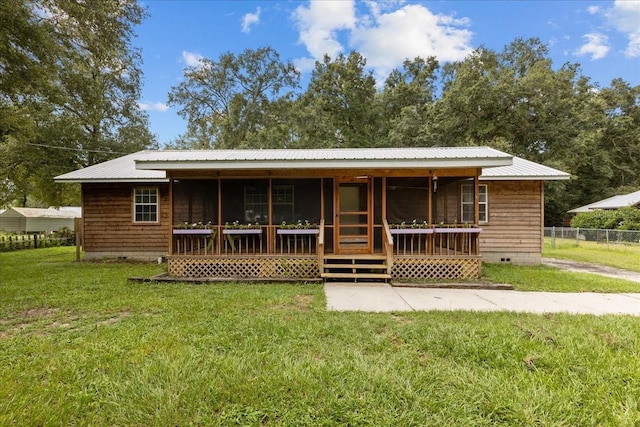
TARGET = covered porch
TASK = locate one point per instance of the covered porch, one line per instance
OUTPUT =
(337, 227)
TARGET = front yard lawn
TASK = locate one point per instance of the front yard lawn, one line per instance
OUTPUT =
(79, 345)
(626, 256)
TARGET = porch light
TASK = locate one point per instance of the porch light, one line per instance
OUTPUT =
(434, 179)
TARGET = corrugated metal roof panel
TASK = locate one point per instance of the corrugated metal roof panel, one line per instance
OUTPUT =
(139, 167)
(322, 154)
(523, 169)
(41, 213)
(428, 158)
(614, 202)
(120, 169)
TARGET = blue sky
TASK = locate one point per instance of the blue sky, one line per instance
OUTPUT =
(603, 36)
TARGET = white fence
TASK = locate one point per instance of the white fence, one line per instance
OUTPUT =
(613, 237)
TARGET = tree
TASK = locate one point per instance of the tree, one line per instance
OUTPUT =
(621, 134)
(234, 101)
(338, 108)
(406, 100)
(69, 92)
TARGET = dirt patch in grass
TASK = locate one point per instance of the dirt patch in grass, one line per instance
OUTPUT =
(115, 318)
(303, 302)
(28, 320)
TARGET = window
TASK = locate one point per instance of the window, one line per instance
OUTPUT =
(283, 203)
(467, 203)
(256, 204)
(145, 205)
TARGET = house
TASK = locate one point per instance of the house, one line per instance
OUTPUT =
(611, 203)
(333, 213)
(37, 220)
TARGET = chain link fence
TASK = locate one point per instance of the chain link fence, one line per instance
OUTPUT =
(613, 237)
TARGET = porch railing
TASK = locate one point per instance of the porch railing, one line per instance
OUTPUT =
(265, 240)
(388, 245)
(443, 241)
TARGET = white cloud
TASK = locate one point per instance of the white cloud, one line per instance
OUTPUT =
(625, 17)
(250, 19)
(597, 46)
(153, 106)
(192, 59)
(387, 35)
(409, 32)
(593, 10)
(319, 22)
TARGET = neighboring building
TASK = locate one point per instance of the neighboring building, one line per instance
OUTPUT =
(611, 203)
(469, 204)
(37, 220)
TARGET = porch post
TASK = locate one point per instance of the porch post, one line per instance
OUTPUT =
(430, 199)
(170, 213)
(384, 197)
(476, 197)
(219, 233)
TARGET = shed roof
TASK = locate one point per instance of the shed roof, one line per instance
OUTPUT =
(614, 202)
(150, 166)
(43, 213)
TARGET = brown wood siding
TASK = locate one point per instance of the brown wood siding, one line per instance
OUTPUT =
(108, 220)
(515, 219)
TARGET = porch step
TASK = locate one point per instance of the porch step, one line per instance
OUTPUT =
(355, 268)
(356, 276)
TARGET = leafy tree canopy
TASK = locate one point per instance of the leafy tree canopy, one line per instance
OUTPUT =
(69, 86)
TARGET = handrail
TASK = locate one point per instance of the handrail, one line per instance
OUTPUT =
(320, 248)
(388, 245)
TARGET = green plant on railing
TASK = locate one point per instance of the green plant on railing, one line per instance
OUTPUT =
(194, 226)
(299, 225)
(413, 224)
(237, 225)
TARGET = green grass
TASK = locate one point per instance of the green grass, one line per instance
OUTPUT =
(79, 345)
(618, 256)
(543, 278)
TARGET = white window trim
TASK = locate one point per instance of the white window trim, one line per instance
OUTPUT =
(485, 203)
(135, 205)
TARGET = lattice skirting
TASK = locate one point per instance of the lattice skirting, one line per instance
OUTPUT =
(436, 268)
(243, 268)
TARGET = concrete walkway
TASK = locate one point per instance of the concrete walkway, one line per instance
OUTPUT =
(383, 297)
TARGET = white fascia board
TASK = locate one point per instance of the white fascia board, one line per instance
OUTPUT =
(113, 180)
(525, 178)
(324, 164)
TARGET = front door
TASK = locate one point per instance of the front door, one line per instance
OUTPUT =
(353, 215)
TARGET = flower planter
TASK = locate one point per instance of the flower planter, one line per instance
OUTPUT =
(179, 231)
(411, 231)
(242, 231)
(293, 231)
(457, 230)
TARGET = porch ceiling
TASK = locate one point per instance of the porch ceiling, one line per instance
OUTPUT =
(347, 158)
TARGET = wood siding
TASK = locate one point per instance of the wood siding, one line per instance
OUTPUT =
(108, 220)
(515, 218)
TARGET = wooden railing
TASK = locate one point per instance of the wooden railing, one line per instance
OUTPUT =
(265, 240)
(388, 245)
(443, 241)
(194, 242)
(320, 249)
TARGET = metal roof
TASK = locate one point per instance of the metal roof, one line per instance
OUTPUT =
(42, 213)
(522, 169)
(143, 166)
(615, 202)
(122, 169)
(433, 157)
